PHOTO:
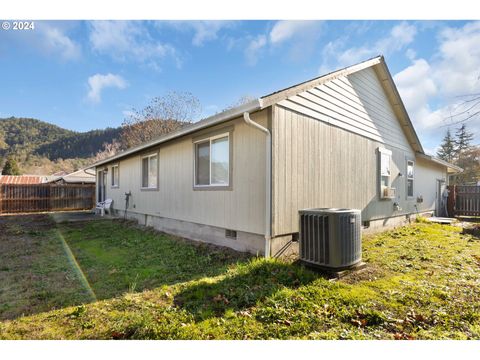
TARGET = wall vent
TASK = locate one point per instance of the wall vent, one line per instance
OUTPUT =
(232, 234)
(330, 237)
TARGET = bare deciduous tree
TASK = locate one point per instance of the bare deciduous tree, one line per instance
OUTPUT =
(244, 99)
(109, 149)
(466, 110)
(163, 115)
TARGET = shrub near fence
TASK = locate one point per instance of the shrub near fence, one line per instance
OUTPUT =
(18, 198)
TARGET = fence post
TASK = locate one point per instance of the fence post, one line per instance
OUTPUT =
(452, 189)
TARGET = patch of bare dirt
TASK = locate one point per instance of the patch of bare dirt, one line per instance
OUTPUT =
(369, 273)
(472, 229)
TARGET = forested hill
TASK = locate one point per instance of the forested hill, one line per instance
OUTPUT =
(42, 148)
(78, 145)
(24, 136)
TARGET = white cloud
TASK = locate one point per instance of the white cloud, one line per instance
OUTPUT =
(300, 35)
(251, 51)
(129, 41)
(56, 41)
(336, 56)
(411, 54)
(432, 90)
(207, 30)
(203, 30)
(401, 35)
(49, 38)
(430, 87)
(286, 29)
(98, 82)
(416, 87)
(458, 70)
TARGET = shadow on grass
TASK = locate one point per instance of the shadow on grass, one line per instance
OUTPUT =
(45, 266)
(251, 283)
(119, 257)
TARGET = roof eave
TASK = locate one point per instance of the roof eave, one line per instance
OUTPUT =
(398, 105)
(455, 169)
(254, 105)
(280, 95)
(386, 80)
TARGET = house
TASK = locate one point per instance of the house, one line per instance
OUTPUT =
(23, 179)
(240, 177)
(82, 176)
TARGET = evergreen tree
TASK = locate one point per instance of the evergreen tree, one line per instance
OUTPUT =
(470, 163)
(447, 149)
(463, 140)
(11, 167)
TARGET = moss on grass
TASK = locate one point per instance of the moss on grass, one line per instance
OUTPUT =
(422, 282)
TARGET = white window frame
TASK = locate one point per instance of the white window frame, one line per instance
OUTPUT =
(141, 171)
(382, 152)
(117, 184)
(410, 178)
(210, 139)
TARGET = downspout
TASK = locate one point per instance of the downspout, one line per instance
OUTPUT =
(268, 183)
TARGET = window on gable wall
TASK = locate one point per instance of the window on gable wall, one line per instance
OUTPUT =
(386, 191)
(410, 177)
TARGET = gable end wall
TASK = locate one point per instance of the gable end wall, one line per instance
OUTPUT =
(325, 144)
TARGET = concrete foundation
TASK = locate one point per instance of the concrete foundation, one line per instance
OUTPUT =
(245, 242)
(376, 226)
(285, 247)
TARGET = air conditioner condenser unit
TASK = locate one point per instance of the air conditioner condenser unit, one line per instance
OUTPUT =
(330, 238)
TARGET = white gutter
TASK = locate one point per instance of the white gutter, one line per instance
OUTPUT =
(268, 180)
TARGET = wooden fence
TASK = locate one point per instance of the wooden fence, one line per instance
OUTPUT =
(16, 198)
(464, 200)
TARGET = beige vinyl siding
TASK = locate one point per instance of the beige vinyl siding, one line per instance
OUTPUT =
(242, 208)
(356, 103)
(426, 175)
(319, 165)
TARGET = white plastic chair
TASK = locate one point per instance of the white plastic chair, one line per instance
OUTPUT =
(104, 206)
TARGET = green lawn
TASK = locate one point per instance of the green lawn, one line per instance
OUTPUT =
(422, 282)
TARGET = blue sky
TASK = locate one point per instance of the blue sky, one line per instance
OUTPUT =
(83, 75)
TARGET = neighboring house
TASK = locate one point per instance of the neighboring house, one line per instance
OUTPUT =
(23, 179)
(82, 176)
(340, 140)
